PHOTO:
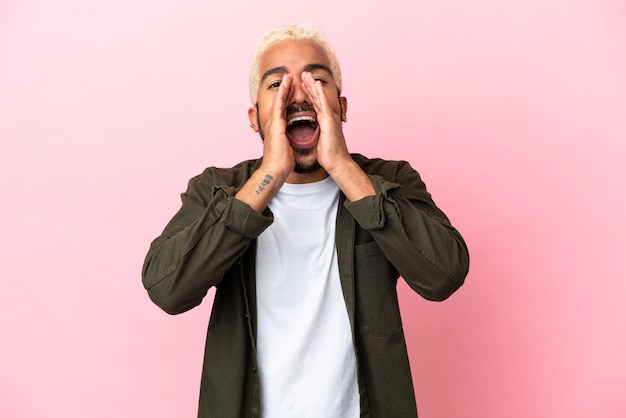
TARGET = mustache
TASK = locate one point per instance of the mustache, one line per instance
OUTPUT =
(299, 107)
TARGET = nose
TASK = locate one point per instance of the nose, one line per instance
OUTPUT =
(298, 95)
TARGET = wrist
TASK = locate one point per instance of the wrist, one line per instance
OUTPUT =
(352, 181)
(278, 172)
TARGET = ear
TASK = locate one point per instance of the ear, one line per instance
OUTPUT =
(253, 118)
(344, 108)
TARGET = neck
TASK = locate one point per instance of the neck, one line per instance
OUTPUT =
(302, 178)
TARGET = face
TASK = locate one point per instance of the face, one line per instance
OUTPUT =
(294, 57)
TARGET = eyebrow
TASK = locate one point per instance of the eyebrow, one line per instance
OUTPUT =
(285, 70)
(313, 67)
(275, 70)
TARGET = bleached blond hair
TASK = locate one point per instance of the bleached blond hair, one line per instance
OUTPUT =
(306, 32)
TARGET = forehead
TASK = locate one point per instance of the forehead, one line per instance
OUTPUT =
(293, 54)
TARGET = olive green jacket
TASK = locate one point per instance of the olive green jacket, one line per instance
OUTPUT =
(211, 242)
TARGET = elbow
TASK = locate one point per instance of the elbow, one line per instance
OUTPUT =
(440, 290)
(170, 302)
(166, 305)
(437, 285)
(167, 292)
(452, 278)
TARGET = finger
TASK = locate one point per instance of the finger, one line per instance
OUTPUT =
(314, 91)
(285, 87)
(307, 85)
(280, 100)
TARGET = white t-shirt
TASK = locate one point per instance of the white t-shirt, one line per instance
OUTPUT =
(306, 358)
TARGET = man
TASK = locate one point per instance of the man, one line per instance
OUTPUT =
(304, 247)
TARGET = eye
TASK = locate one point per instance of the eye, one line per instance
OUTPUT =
(274, 85)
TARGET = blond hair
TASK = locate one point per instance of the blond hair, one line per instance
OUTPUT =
(306, 32)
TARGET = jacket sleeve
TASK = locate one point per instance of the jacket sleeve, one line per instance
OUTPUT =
(209, 233)
(415, 236)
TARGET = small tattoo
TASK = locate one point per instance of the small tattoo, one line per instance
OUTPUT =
(267, 180)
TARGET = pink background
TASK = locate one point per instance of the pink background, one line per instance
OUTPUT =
(513, 111)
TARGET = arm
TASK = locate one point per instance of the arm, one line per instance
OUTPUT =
(332, 150)
(394, 206)
(278, 159)
(216, 224)
(209, 233)
(413, 233)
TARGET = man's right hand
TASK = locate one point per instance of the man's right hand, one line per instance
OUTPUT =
(278, 157)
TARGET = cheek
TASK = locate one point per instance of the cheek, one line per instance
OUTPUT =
(336, 106)
(334, 99)
(264, 109)
(262, 118)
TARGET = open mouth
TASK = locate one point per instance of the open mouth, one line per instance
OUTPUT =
(302, 131)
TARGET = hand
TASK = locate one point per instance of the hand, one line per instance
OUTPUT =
(278, 158)
(277, 152)
(332, 150)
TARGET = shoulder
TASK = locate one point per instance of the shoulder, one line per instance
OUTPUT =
(234, 176)
(388, 169)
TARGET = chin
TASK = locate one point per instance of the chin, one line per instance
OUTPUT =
(306, 161)
(308, 168)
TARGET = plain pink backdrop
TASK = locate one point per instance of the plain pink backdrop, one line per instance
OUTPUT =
(513, 111)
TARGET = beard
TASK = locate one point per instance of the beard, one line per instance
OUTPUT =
(311, 167)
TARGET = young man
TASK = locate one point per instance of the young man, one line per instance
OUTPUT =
(305, 247)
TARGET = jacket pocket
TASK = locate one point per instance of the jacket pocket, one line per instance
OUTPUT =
(377, 309)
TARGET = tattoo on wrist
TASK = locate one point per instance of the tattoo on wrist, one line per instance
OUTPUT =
(267, 180)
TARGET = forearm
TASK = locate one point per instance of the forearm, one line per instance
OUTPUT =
(415, 236)
(428, 253)
(197, 248)
(261, 187)
(352, 180)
